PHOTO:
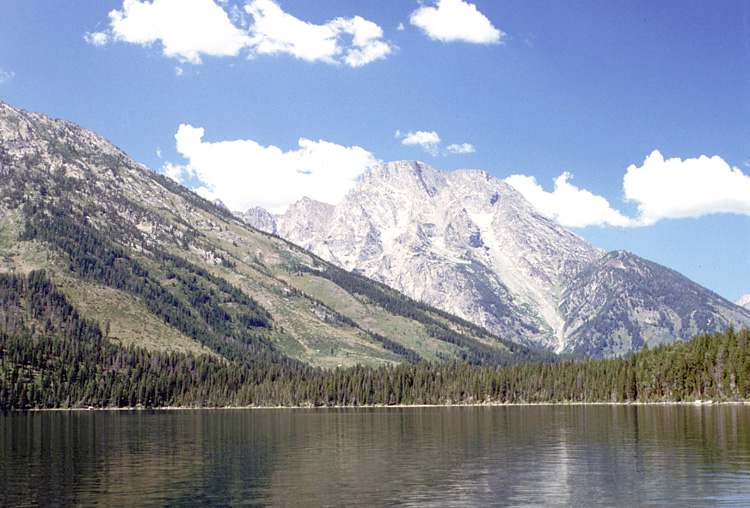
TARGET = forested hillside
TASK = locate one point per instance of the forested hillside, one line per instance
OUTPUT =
(120, 288)
(51, 357)
(161, 268)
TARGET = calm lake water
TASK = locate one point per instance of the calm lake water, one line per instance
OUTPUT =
(454, 456)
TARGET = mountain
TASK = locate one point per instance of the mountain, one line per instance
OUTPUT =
(743, 301)
(160, 267)
(622, 301)
(470, 244)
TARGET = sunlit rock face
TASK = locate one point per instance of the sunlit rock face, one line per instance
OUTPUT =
(468, 243)
(743, 301)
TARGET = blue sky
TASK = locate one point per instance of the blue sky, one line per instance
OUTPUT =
(629, 122)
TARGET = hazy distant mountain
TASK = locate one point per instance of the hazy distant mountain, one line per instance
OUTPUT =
(470, 244)
(743, 301)
(163, 268)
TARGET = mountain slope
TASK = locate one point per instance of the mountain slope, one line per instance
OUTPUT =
(470, 244)
(628, 301)
(456, 240)
(161, 267)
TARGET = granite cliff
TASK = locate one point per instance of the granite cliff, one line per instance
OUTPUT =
(468, 243)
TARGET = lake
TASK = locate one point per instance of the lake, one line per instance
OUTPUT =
(571, 455)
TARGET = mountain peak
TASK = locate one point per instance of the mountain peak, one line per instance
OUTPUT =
(414, 176)
(169, 270)
(743, 301)
(470, 244)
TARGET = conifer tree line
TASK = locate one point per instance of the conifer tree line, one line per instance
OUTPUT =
(51, 357)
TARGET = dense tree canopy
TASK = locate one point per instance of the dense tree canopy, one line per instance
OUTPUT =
(51, 357)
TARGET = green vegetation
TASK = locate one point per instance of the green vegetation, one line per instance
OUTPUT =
(120, 288)
(52, 357)
(189, 271)
(438, 324)
(201, 313)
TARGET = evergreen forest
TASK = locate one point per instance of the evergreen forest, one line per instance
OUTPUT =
(51, 357)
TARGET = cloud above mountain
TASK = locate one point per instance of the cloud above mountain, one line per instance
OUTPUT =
(567, 204)
(675, 188)
(243, 173)
(455, 20)
(191, 29)
(187, 29)
(460, 148)
(430, 140)
(275, 31)
(661, 189)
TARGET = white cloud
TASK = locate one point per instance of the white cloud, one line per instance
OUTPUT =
(675, 188)
(367, 46)
(96, 38)
(189, 29)
(462, 148)
(276, 31)
(243, 173)
(662, 189)
(455, 20)
(186, 28)
(176, 172)
(427, 140)
(569, 205)
(6, 76)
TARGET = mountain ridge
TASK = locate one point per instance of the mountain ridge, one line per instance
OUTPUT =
(470, 244)
(164, 268)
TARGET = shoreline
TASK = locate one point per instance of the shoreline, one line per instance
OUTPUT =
(697, 403)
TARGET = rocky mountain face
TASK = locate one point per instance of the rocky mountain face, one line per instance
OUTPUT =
(470, 244)
(622, 301)
(158, 266)
(260, 218)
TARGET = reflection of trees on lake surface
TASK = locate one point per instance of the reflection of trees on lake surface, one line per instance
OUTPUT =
(459, 456)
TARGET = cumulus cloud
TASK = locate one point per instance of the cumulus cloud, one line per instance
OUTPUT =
(427, 140)
(455, 20)
(366, 45)
(276, 31)
(662, 189)
(243, 173)
(189, 29)
(675, 188)
(186, 28)
(569, 205)
(462, 148)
